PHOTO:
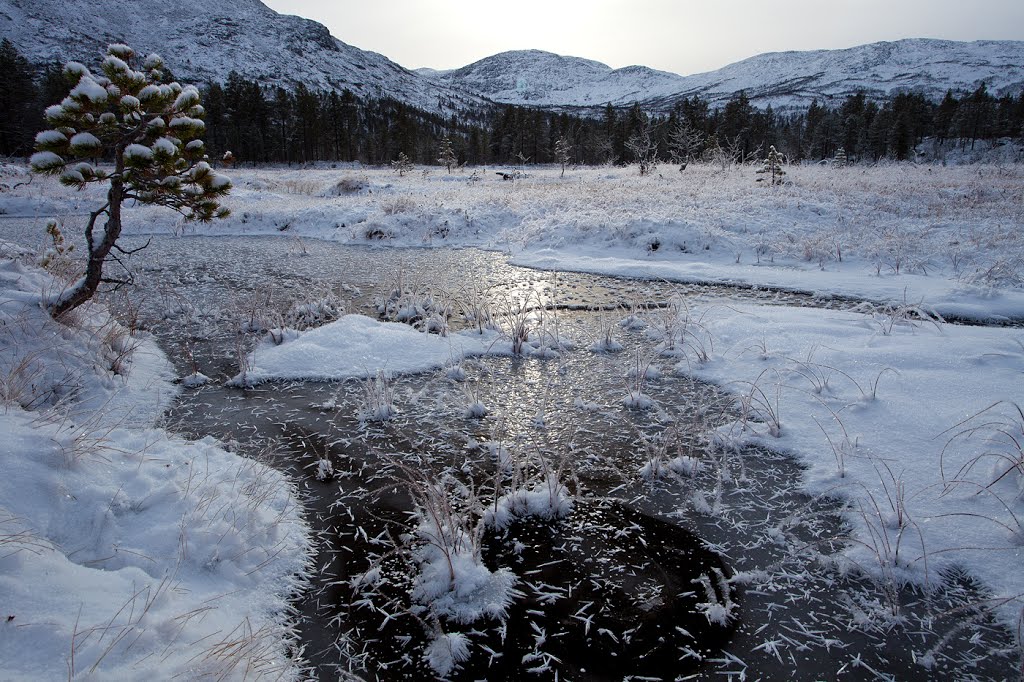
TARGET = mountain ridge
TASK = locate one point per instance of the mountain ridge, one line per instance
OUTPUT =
(782, 79)
(203, 41)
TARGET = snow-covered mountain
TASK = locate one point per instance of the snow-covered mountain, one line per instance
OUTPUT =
(881, 70)
(204, 41)
(782, 79)
(542, 79)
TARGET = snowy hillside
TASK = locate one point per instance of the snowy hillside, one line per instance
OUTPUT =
(204, 41)
(781, 79)
(879, 69)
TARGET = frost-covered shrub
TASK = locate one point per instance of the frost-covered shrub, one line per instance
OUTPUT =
(376, 232)
(315, 313)
(452, 586)
(347, 186)
(548, 499)
(398, 205)
(896, 249)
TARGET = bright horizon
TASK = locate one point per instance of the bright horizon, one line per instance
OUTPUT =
(662, 34)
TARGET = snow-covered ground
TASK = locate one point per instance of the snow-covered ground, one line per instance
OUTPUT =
(915, 421)
(917, 425)
(127, 552)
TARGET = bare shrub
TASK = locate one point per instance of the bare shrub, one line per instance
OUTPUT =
(399, 205)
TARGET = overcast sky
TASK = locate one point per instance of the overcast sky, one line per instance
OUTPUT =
(674, 35)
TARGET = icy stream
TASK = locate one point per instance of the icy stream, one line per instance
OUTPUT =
(636, 547)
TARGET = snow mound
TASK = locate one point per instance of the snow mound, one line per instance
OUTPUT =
(356, 346)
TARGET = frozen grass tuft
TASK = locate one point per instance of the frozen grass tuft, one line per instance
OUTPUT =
(378, 399)
(718, 607)
(658, 460)
(641, 370)
(315, 310)
(516, 320)
(452, 585)
(475, 407)
(685, 465)
(548, 499)
(324, 469)
(446, 652)
(905, 315)
(1000, 426)
(606, 342)
(456, 372)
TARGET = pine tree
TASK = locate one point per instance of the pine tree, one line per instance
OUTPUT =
(307, 113)
(737, 125)
(773, 167)
(840, 159)
(282, 117)
(944, 116)
(149, 130)
(402, 165)
(563, 152)
(447, 157)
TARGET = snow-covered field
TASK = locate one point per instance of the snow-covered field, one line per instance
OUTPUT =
(915, 422)
(948, 236)
(125, 551)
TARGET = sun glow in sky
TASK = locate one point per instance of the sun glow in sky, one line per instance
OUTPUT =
(681, 36)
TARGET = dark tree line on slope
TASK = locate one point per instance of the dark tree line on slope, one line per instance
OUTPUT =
(273, 125)
(25, 91)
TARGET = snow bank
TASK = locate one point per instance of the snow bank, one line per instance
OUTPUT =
(356, 346)
(125, 552)
(911, 422)
(947, 297)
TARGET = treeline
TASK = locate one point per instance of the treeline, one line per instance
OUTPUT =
(865, 130)
(273, 125)
(25, 92)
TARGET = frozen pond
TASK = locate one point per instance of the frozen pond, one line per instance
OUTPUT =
(631, 581)
(793, 614)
